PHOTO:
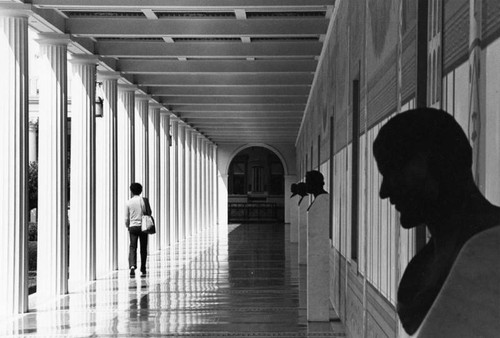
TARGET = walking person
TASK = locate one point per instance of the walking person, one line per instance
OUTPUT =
(135, 208)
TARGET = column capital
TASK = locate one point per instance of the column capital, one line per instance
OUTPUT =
(142, 97)
(155, 105)
(15, 10)
(84, 59)
(127, 87)
(53, 39)
(108, 75)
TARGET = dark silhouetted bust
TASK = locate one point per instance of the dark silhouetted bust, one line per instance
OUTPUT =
(425, 159)
(301, 190)
(314, 184)
(294, 190)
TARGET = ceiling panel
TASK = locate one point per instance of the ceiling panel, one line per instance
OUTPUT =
(235, 70)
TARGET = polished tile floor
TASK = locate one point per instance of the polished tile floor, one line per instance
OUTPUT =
(243, 284)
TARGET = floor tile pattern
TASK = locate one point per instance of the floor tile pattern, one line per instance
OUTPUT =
(243, 284)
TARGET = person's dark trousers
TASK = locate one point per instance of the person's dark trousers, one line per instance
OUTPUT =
(135, 234)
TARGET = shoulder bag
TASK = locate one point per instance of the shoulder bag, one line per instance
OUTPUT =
(148, 223)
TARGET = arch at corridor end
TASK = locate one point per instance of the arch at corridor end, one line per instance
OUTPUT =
(263, 145)
(227, 152)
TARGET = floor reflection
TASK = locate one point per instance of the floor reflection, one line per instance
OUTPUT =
(243, 283)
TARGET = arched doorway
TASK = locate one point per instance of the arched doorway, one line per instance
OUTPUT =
(256, 186)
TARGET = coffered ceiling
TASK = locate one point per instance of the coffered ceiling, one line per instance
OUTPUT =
(235, 70)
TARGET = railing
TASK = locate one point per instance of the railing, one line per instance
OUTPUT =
(255, 212)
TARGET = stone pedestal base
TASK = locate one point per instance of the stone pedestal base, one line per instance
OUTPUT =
(294, 219)
(302, 230)
(318, 260)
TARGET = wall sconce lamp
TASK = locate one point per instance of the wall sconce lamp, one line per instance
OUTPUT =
(99, 100)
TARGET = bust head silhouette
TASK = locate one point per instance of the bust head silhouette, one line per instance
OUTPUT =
(425, 160)
(294, 189)
(315, 183)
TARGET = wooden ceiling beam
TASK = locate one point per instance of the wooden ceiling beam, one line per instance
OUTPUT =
(195, 27)
(238, 115)
(212, 49)
(183, 4)
(241, 109)
(229, 91)
(279, 79)
(245, 100)
(148, 66)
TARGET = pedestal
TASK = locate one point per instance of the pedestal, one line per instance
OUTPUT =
(294, 218)
(302, 224)
(318, 260)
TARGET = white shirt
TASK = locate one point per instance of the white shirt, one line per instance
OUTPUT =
(133, 211)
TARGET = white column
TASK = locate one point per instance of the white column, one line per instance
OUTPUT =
(181, 182)
(154, 173)
(126, 164)
(199, 183)
(223, 199)
(188, 182)
(82, 252)
(33, 141)
(165, 179)
(202, 184)
(203, 221)
(206, 183)
(14, 164)
(52, 257)
(194, 173)
(174, 196)
(141, 142)
(106, 177)
(215, 187)
(210, 183)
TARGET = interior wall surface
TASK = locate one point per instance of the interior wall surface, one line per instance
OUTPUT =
(369, 67)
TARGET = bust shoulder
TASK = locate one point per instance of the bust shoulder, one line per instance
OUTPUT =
(469, 301)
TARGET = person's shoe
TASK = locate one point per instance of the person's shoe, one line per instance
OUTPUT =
(132, 271)
(143, 272)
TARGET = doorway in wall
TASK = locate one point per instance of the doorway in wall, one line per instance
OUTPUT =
(256, 187)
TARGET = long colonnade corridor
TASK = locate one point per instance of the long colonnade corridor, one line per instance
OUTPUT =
(215, 284)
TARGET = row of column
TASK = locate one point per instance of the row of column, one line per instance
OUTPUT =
(130, 142)
(192, 177)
